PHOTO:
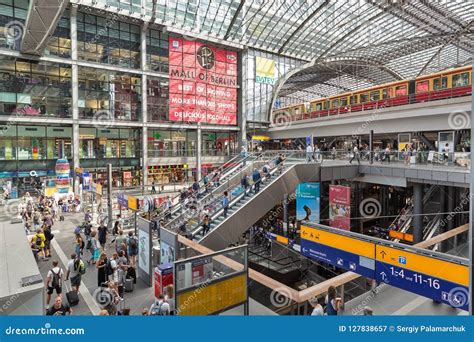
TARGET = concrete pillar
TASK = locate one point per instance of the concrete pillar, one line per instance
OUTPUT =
(371, 146)
(144, 108)
(450, 222)
(242, 98)
(286, 207)
(75, 97)
(198, 152)
(418, 212)
(442, 208)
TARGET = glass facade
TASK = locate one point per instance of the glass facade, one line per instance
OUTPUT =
(174, 143)
(157, 99)
(41, 89)
(157, 50)
(12, 19)
(117, 95)
(107, 40)
(60, 43)
(21, 142)
(98, 143)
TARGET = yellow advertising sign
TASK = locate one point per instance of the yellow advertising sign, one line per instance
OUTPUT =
(446, 270)
(132, 203)
(345, 243)
(282, 239)
(213, 298)
(264, 70)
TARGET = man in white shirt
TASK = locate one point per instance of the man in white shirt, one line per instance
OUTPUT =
(160, 307)
(309, 153)
(356, 155)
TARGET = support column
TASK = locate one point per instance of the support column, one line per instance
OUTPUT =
(198, 152)
(286, 220)
(371, 146)
(450, 224)
(74, 97)
(418, 212)
(242, 99)
(471, 212)
(144, 108)
(442, 208)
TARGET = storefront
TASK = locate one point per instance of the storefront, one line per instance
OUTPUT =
(168, 174)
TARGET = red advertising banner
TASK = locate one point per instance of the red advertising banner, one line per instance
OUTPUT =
(340, 206)
(203, 83)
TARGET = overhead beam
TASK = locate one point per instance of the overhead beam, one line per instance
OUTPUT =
(303, 24)
(234, 18)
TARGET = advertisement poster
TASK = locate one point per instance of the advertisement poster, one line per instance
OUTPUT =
(203, 83)
(144, 250)
(167, 253)
(308, 202)
(340, 206)
(264, 70)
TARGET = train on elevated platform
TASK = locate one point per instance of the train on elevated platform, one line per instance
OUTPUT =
(442, 85)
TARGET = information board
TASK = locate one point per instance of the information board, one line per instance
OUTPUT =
(340, 251)
(443, 281)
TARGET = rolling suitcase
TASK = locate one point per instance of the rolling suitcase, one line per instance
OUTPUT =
(128, 285)
(72, 297)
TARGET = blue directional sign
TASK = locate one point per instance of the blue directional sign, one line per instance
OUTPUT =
(440, 280)
(340, 251)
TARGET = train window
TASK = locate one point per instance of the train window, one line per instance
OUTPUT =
(375, 95)
(444, 82)
(335, 103)
(437, 84)
(385, 93)
(461, 80)
(319, 106)
(364, 98)
(353, 100)
(422, 87)
(326, 105)
(401, 90)
(343, 101)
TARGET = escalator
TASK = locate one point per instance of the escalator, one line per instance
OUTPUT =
(246, 209)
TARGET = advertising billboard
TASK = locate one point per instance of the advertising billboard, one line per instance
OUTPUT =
(202, 83)
(340, 206)
(308, 202)
(264, 70)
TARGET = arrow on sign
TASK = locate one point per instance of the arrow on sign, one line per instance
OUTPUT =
(383, 254)
(384, 276)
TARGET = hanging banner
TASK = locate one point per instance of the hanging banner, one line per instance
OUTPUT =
(308, 202)
(264, 70)
(340, 206)
(203, 83)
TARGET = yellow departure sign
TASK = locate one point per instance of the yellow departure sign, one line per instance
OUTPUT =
(345, 243)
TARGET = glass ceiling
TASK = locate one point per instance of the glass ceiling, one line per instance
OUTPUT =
(361, 42)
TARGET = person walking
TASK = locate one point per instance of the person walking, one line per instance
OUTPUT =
(101, 269)
(102, 231)
(54, 281)
(132, 245)
(333, 303)
(309, 153)
(355, 155)
(153, 189)
(257, 178)
(75, 269)
(244, 182)
(387, 154)
(205, 225)
(94, 248)
(225, 203)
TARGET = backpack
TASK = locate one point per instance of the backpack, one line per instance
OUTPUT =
(108, 268)
(157, 310)
(55, 281)
(79, 266)
(38, 240)
(133, 243)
